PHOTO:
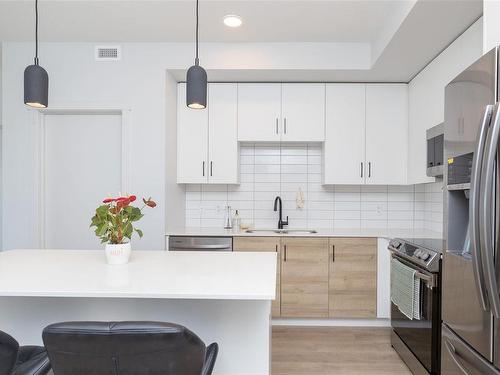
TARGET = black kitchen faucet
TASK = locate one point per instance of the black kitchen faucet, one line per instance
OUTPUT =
(281, 223)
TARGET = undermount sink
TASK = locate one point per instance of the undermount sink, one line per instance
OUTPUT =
(282, 231)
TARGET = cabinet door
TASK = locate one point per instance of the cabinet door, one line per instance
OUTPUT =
(303, 112)
(386, 133)
(259, 112)
(304, 277)
(223, 150)
(192, 141)
(264, 244)
(344, 150)
(353, 278)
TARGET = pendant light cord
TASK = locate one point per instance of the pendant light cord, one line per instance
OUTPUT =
(36, 32)
(197, 21)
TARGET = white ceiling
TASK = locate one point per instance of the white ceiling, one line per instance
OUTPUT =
(173, 21)
(403, 35)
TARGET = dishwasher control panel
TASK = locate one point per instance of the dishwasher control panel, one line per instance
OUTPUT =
(195, 243)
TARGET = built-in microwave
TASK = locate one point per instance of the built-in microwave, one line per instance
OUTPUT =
(435, 151)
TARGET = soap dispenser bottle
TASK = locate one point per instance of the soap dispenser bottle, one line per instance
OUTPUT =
(228, 221)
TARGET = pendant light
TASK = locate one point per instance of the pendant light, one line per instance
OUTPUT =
(196, 86)
(36, 79)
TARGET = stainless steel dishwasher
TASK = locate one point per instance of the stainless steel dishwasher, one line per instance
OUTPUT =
(186, 243)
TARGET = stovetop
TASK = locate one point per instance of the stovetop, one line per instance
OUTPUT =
(423, 252)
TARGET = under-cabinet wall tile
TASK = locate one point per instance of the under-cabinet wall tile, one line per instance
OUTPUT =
(271, 169)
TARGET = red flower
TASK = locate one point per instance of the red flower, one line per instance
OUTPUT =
(150, 203)
(132, 198)
(108, 200)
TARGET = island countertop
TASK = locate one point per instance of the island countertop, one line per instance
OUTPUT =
(150, 274)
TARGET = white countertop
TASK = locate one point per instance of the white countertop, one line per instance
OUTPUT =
(345, 232)
(150, 274)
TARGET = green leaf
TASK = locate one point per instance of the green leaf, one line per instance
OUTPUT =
(127, 231)
(139, 232)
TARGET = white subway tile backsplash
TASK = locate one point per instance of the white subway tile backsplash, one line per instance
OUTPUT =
(268, 170)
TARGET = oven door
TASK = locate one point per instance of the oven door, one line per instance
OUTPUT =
(421, 336)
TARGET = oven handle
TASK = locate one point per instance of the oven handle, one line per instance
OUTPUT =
(456, 357)
(428, 280)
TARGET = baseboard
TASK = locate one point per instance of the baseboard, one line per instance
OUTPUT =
(332, 322)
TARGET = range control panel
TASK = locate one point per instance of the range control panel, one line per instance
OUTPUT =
(424, 257)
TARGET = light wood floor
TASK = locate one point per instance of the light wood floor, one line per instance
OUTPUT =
(334, 350)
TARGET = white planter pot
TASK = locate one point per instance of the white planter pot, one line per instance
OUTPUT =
(118, 253)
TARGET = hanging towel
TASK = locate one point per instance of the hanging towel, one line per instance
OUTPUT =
(405, 289)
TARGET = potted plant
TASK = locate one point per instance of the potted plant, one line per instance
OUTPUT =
(114, 225)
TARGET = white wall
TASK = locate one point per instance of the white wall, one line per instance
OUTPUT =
(137, 83)
(491, 24)
(426, 95)
(175, 194)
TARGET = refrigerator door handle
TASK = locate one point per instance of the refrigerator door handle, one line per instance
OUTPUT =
(485, 218)
(456, 357)
(474, 202)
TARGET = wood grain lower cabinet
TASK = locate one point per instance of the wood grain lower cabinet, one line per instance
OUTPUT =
(264, 244)
(353, 278)
(304, 277)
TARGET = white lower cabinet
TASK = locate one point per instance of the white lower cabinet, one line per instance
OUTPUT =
(207, 144)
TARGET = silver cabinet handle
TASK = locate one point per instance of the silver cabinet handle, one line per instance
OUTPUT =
(203, 168)
(277, 125)
(361, 169)
(369, 169)
(487, 209)
(284, 125)
(211, 163)
(456, 357)
(474, 202)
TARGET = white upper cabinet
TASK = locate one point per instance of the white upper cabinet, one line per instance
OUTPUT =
(386, 134)
(259, 112)
(303, 112)
(207, 144)
(223, 150)
(344, 149)
(192, 141)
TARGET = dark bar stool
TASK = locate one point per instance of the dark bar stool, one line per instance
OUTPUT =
(131, 348)
(21, 360)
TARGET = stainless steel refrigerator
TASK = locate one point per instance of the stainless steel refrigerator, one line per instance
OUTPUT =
(470, 341)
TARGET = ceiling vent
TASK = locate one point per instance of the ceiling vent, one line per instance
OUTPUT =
(108, 53)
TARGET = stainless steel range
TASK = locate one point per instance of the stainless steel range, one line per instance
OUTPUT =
(417, 338)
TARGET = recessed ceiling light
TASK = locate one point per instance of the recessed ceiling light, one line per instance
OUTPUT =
(232, 20)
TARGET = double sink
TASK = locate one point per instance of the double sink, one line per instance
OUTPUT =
(282, 231)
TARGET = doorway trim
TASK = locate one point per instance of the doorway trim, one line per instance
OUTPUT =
(39, 122)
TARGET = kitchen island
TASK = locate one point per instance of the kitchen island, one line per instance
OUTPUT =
(223, 297)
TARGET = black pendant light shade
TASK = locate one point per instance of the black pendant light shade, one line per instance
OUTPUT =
(196, 80)
(196, 87)
(36, 79)
(36, 86)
